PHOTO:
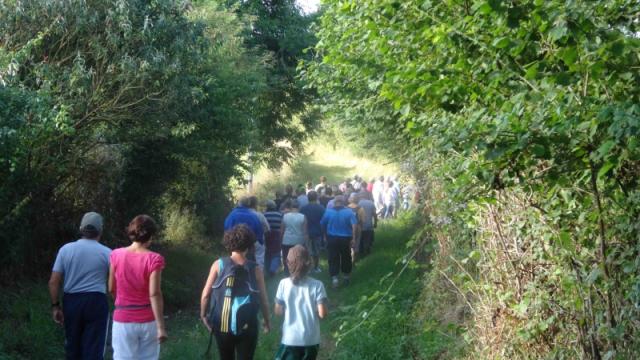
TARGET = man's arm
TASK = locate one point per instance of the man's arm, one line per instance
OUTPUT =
(55, 282)
(354, 228)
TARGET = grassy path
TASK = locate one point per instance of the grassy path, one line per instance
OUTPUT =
(379, 337)
(27, 332)
(384, 334)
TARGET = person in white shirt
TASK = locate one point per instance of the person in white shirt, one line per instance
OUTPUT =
(378, 195)
(302, 300)
(293, 230)
(320, 188)
(390, 198)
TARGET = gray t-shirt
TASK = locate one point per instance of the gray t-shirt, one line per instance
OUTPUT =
(84, 264)
(369, 211)
(301, 326)
(265, 225)
(293, 223)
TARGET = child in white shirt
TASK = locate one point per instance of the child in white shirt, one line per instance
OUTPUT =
(302, 301)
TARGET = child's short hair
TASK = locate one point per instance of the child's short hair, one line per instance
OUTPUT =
(238, 238)
(299, 263)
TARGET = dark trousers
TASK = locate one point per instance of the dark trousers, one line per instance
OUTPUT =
(286, 352)
(85, 325)
(366, 241)
(339, 249)
(237, 347)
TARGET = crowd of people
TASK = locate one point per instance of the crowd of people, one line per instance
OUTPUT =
(290, 235)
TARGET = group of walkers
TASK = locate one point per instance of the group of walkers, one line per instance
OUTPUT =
(339, 219)
(290, 235)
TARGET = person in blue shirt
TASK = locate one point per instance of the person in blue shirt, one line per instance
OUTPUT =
(81, 268)
(243, 214)
(313, 212)
(339, 225)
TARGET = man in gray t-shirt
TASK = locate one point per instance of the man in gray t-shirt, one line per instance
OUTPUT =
(81, 268)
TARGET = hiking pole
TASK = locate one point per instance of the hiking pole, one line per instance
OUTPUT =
(206, 354)
(106, 337)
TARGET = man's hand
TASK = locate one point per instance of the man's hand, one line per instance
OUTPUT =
(57, 315)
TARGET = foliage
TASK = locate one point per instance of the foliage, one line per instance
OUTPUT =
(281, 30)
(526, 114)
(184, 227)
(320, 159)
(125, 107)
(26, 328)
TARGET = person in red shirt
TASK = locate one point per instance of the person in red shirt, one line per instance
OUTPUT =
(370, 185)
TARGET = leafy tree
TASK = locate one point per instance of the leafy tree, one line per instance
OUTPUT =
(533, 98)
(126, 107)
(284, 32)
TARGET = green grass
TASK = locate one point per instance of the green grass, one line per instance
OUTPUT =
(26, 328)
(368, 321)
(185, 273)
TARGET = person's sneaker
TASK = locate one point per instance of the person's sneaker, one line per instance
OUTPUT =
(345, 280)
(317, 270)
(335, 282)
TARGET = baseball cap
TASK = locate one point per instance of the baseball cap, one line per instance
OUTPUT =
(91, 221)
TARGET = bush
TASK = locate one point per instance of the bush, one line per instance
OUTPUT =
(184, 227)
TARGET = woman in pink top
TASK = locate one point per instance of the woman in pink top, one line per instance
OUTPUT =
(134, 281)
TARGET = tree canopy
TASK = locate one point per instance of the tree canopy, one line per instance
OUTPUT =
(127, 107)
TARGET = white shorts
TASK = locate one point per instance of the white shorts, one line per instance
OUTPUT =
(135, 341)
(259, 248)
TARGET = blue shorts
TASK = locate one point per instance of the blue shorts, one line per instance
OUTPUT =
(275, 263)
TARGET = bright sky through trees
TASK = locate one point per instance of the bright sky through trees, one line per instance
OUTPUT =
(309, 6)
